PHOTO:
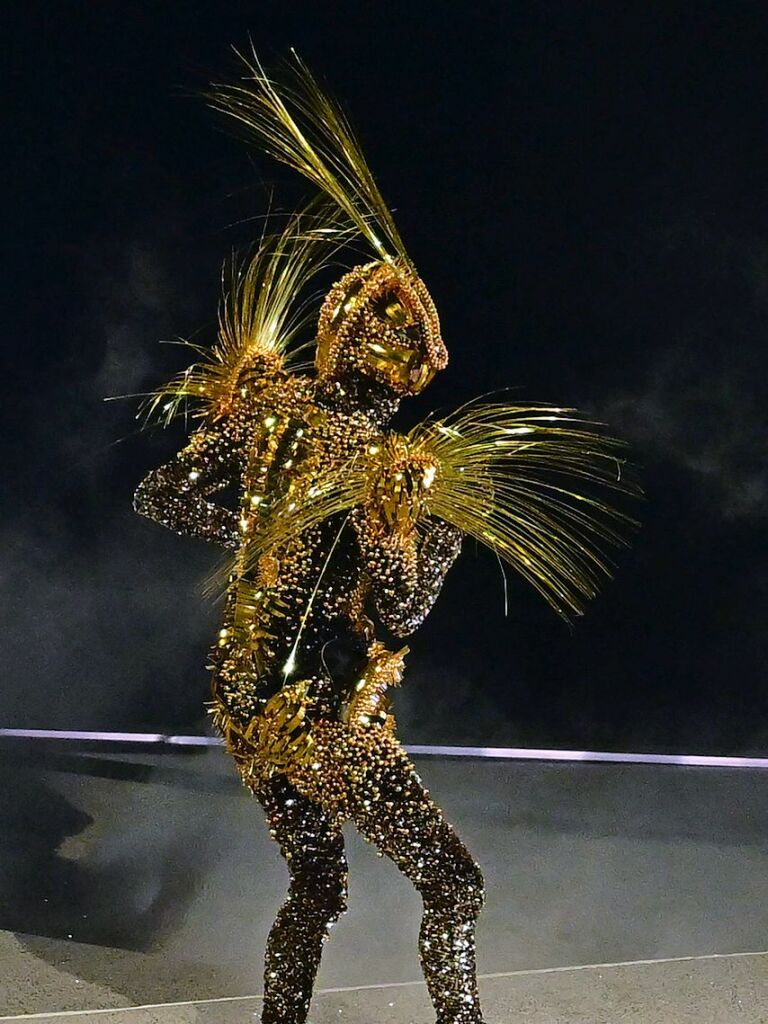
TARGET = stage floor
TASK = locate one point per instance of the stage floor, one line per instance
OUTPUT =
(615, 894)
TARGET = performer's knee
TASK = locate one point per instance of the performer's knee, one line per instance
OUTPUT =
(469, 888)
(461, 890)
(322, 893)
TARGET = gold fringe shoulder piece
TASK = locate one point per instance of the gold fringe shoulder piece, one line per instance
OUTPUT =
(263, 311)
(533, 484)
(297, 123)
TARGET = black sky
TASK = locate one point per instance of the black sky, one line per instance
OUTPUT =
(583, 187)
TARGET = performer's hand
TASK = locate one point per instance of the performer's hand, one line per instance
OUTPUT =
(441, 540)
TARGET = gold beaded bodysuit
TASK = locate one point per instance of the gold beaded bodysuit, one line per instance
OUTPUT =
(345, 529)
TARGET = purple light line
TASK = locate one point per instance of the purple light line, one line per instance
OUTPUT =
(492, 753)
(536, 754)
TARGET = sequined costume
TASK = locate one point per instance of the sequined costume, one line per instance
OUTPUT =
(271, 444)
(344, 527)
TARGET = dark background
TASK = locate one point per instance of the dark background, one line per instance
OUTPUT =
(583, 187)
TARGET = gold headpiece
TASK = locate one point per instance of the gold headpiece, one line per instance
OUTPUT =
(393, 321)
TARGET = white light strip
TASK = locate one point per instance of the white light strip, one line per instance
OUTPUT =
(80, 734)
(428, 750)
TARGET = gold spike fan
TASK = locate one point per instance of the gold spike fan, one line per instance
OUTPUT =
(263, 310)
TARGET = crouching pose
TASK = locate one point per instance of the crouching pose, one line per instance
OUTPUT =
(344, 528)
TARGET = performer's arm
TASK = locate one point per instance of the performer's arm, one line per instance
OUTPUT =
(406, 572)
(174, 494)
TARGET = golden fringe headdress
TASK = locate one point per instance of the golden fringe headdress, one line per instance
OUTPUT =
(260, 311)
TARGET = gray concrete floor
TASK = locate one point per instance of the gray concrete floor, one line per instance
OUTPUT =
(128, 880)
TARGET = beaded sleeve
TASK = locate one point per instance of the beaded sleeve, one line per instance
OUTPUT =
(406, 573)
(175, 494)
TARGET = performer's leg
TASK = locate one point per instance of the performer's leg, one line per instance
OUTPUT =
(314, 852)
(392, 809)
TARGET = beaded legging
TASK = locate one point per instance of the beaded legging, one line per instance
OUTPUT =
(399, 817)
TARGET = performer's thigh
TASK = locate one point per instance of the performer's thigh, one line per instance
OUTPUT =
(311, 845)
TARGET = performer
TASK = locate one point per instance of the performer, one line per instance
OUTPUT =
(344, 526)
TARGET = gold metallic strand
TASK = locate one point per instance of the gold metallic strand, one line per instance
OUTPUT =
(298, 124)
